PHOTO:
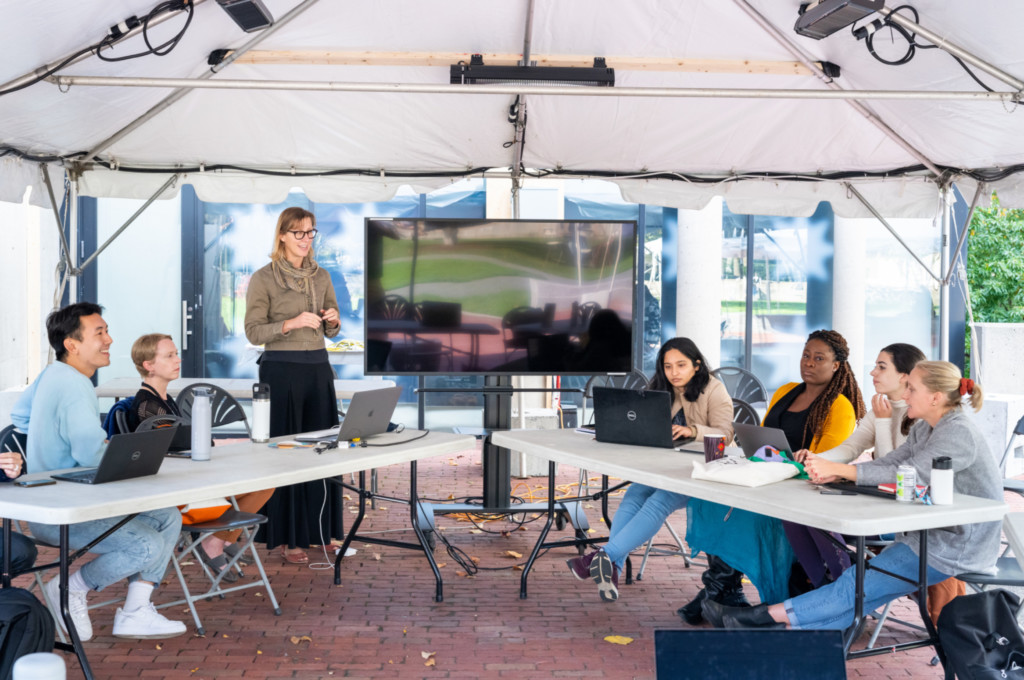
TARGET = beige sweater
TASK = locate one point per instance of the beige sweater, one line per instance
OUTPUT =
(884, 434)
(711, 413)
(268, 306)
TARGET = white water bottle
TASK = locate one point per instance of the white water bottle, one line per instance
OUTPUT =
(202, 423)
(260, 412)
(942, 480)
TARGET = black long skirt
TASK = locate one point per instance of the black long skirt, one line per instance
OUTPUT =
(301, 399)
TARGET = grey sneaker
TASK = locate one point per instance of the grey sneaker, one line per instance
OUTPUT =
(145, 623)
(76, 604)
(605, 575)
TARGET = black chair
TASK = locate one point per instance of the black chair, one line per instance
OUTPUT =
(393, 308)
(166, 420)
(514, 337)
(741, 384)
(742, 412)
(586, 312)
(13, 441)
(224, 408)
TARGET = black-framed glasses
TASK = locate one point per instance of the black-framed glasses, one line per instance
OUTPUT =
(299, 235)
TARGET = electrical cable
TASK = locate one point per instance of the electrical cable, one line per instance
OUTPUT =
(115, 34)
(868, 31)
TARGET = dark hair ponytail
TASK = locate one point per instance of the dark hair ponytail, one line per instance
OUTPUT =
(697, 383)
(904, 358)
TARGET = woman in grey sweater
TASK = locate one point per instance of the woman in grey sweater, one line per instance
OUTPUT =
(934, 394)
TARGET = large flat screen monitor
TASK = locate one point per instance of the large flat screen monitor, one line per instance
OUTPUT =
(499, 297)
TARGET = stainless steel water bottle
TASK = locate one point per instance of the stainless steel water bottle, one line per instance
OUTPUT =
(260, 412)
(202, 423)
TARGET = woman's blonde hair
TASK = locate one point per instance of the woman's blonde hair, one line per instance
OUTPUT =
(287, 221)
(942, 376)
(144, 349)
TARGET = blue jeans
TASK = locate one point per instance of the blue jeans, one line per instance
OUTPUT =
(140, 550)
(640, 515)
(23, 552)
(831, 606)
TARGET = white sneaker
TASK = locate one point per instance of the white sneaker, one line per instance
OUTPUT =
(76, 604)
(145, 623)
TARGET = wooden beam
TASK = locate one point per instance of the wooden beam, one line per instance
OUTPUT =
(340, 58)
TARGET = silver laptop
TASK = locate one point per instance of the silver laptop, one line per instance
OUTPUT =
(131, 455)
(752, 437)
(369, 413)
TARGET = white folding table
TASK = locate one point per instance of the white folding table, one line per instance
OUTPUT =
(233, 469)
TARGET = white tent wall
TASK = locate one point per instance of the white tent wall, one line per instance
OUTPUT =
(139, 276)
(28, 260)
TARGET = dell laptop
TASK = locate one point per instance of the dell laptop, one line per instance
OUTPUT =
(753, 437)
(369, 413)
(634, 417)
(136, 454)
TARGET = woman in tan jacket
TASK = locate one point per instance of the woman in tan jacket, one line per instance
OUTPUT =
(290, 308)
(700, 405)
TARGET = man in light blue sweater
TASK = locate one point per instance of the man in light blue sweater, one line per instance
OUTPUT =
(60, 413)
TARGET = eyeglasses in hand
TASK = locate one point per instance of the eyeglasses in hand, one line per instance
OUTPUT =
(299, 235)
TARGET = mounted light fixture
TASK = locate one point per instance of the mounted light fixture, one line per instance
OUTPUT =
(250, 15)
(476, 73)
(823, 18)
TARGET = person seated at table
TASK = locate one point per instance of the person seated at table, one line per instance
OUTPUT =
(815, 414)
(935, 395)
(700, 405)
(60, 413)
(156, 359)
(881, 431)
(23, 550)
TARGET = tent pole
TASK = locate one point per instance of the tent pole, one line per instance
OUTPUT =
(946, 197)
(520, 121)
(89, 260)
(963, 233)
(173, 97)
(68, 265)
(872, 117)
(878, 216)
(552, 90)
(946, 46)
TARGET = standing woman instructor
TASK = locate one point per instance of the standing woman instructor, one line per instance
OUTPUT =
(290, 307)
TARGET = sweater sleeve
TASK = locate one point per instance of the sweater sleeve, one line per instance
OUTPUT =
(841, 421)
(718, 416)
(924, 444)
(80, 426)
(857, 443)
(259, 329)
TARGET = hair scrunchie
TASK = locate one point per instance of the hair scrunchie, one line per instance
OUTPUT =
(966, 386)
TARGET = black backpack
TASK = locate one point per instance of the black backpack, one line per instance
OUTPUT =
(25, 627)
(980, 636)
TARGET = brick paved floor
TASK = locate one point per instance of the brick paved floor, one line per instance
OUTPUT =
(383, 619)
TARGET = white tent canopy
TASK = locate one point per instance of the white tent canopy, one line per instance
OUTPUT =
(650, 133)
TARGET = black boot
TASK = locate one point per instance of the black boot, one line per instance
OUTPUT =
(721, 616)
(691, 610)
(724, 584)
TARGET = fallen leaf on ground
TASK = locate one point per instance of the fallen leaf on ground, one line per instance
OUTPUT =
(513, 554)
(517, 567)
(618, 639)
(442, 565)
(476, 531)
(376, 556)
(427, 655)
(476, 560)
(296, 639)
(347, 497)
(430, 662)
(461, 573)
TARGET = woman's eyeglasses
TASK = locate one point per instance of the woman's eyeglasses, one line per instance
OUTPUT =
(299, 235)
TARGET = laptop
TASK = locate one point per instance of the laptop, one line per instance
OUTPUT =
(752, 437)
(136, 454)
(634, 417)
(369, 413)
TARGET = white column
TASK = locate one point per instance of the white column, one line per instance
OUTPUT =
(848, 291)
(699, 279)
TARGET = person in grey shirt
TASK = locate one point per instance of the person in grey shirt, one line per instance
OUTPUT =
(935, 392)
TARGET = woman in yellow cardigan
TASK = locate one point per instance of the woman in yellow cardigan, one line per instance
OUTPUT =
(817, 414)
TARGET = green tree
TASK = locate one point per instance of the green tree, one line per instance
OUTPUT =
(995, 264)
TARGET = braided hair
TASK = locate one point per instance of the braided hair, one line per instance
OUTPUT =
(843, 382)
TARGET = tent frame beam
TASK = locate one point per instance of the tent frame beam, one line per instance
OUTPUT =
(183, 90)
(65, 82)
(872, 117)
